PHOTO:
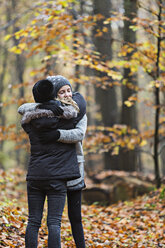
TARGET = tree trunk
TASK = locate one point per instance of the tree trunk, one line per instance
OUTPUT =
(4, 58)
(129, 159)
(2, 116)
(162, 146)
(106, 99)
(2, 75)
(157, 103)
(19, 69)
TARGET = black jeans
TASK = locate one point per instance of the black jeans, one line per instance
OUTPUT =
(55, 190)
(74, 213)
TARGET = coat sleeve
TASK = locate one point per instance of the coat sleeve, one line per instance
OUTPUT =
(26, 128)
(69, 110)
(79, 99)
(27, 107)
(74, 135)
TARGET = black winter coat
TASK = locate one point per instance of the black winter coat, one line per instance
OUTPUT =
(54, 160)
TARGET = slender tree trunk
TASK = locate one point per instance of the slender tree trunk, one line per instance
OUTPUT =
(2, 116)
(129, 159)
(162, 143)
(4, 59)
(105, 98)
(157, 103)
(90, 95)
(2, 75)
(19, 69)
(75, 36)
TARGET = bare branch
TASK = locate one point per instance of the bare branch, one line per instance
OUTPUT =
(140, 5)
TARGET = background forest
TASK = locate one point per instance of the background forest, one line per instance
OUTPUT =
(113, 52)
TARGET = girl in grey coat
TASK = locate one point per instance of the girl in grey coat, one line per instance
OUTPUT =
(74, 187)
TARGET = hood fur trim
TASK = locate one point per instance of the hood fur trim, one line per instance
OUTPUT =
(35, 114)
(27, 107)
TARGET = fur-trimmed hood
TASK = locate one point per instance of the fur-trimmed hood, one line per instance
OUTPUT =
(27, 107)
(35, 114)
(30, 111)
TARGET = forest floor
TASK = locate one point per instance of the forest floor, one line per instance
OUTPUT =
(134, 224)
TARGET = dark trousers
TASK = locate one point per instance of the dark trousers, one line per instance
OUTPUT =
(55, 190)
(74, 213)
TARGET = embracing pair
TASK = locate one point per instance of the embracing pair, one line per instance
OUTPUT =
(56, 124)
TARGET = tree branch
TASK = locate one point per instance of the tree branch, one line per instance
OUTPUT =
(147, 10)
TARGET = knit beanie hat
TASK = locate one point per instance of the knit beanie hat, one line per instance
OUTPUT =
(58, 82)
(43, 91)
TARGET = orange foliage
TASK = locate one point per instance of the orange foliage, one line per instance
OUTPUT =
(55, 33)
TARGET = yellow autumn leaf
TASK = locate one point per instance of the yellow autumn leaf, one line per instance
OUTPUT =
(33, 33)
(115, 150)
(47, 58)
(19, 33)
(130, 146)
(34, 21)
(7, 37)
(143, 143)
(50, 18)
(114, 75)
(134, 131)
(15, 50)
(33, 73)
(105, 29)
(22, 46)
(128, 103)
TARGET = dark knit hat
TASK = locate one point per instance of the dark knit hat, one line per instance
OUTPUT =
(43, 91)
(58, 82)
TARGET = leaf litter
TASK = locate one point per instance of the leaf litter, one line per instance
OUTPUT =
(139, 223)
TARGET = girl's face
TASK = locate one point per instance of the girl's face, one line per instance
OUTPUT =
(64, 92)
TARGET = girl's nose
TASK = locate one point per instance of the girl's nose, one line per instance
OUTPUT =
(66, 94)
